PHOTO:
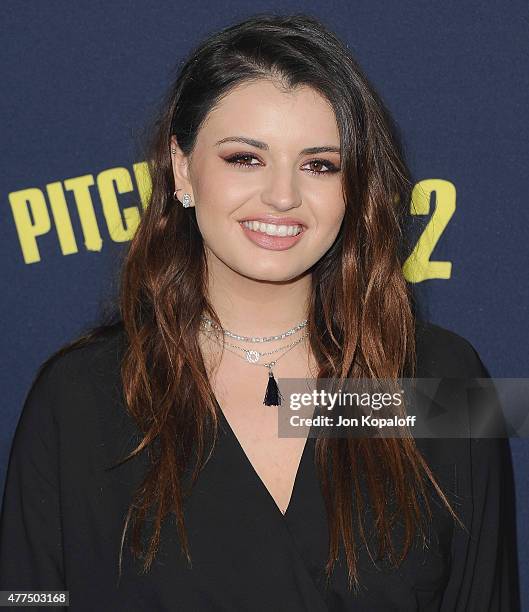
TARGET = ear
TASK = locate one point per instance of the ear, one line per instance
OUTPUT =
(180, 167)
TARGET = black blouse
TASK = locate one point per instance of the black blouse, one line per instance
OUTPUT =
(62, 515)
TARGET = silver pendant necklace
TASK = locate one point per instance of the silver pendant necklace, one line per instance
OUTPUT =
(253, 356)
(273, 395)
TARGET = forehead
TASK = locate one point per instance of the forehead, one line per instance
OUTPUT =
(262, 110)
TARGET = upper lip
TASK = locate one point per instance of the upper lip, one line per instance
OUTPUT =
(275, 220)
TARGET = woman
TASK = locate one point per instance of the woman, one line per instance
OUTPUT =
(147, 472)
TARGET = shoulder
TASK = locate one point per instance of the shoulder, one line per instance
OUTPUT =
(103, 347)
(444, 353)
(92, 354)
(73, 412)
(76, 375)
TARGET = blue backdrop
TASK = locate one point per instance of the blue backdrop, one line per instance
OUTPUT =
(80, 81)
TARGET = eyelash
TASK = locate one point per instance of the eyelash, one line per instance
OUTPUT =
(332, 167)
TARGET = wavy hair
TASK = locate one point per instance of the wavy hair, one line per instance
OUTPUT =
(361, 320)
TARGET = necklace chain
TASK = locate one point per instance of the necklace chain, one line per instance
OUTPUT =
(253, 356)
(207, 324)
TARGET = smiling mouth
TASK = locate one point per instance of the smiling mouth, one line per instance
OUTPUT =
(273, 229)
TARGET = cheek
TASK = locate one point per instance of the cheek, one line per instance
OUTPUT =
(219, 205)
(329, 218)
(217, 223)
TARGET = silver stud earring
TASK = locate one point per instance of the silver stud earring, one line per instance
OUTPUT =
(173, 150)
(186, 200)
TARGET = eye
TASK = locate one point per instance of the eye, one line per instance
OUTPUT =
(332, 168)
(235, 160)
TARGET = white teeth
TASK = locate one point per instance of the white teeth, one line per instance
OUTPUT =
(272, 229)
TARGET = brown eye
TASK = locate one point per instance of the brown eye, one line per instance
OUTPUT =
(331, 168)
(317, 164)
(235, 160)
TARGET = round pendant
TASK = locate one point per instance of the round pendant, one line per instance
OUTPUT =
(253, 356)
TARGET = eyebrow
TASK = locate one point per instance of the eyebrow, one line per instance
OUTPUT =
(262, 145)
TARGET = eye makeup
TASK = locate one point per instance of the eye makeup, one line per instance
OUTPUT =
(235, 161)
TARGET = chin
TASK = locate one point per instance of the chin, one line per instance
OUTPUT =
(272, 274)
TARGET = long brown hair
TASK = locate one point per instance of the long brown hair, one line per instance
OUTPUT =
(361, 318)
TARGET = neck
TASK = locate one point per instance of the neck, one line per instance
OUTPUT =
(250, 307)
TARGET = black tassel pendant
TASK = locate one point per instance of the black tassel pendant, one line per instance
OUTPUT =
(273, 395)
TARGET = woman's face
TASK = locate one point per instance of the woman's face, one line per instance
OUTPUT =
(276, 181)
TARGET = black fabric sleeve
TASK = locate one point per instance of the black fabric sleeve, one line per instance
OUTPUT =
(484, 574)
(30, 523)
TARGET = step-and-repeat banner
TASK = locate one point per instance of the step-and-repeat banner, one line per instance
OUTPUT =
(80, 81)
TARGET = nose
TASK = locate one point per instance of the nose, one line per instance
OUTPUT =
(281, 191)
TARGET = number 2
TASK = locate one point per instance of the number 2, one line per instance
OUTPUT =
(418, 266)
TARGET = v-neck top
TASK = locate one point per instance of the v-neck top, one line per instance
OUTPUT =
(63, 511)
